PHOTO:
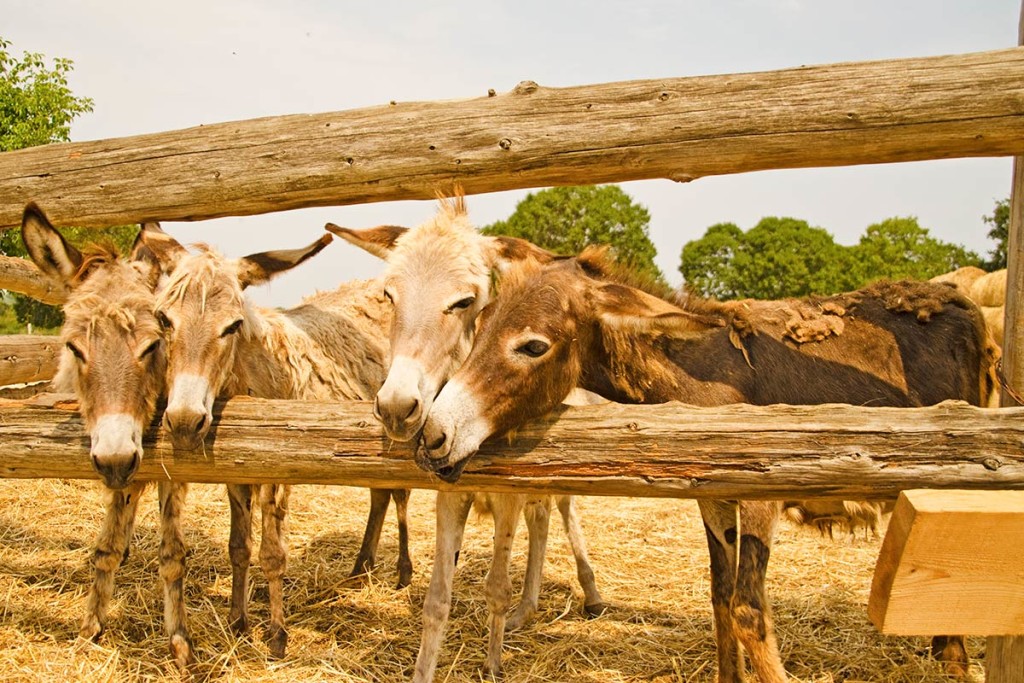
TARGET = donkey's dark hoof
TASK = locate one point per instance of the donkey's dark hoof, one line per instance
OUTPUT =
(277, 643)
(595, 610)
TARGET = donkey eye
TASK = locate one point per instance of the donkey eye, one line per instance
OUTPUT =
(165, 322)
(149, 349)
(462, 304)
(232, 328)
(75, 351)
(535, 348)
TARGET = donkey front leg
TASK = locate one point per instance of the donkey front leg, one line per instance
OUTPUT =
(720, 522)
(240, 553)
(507, 509)
(593, 605)
(274, 559)
(367, 557)
(537, 512)
(401, 497)
(173, 570)
(111, 550)
(452, 510)
(751, 609)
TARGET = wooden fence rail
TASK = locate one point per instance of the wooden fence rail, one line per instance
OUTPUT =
(670, 450)
(678, 128)
(28, 358)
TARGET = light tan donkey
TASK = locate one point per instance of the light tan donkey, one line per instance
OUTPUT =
(113, 360)
(439, 277)
(330, 347)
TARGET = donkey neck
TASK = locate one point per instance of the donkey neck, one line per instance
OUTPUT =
(315, 351)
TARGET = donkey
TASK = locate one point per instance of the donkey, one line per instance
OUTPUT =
(439, 277)
(113, 359)
(330, 347)
(574, 323)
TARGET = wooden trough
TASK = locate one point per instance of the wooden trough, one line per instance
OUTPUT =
(872, 112)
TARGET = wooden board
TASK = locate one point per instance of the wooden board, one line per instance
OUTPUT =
(26, 358)
(952, 562)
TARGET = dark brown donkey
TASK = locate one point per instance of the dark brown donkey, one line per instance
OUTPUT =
(574, 323)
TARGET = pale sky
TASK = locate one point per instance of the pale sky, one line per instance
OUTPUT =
(161, 66)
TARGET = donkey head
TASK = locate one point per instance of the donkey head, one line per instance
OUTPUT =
(553, 328)
(439, 277)
(113, 353)
(203, 312)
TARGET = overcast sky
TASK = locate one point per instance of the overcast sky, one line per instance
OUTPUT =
(160, 66)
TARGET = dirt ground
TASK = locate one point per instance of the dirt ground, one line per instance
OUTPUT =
(649, 555)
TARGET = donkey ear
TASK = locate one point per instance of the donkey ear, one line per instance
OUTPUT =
(256, 269)
(161, 247)
(632, 311)
(379, 241)
(47, 247)
(504, 252)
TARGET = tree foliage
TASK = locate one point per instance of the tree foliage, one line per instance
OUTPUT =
(786, 257)
(567, 219)
(1000, 233)
(37, 108)
(36, 104)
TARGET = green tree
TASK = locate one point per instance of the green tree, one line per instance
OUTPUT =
(36, 105)
(37, 108)
(1000, 232)
(778, 257)
(900, 248)
(567, 219)
(784, 257)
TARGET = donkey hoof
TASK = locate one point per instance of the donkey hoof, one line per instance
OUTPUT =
(595, 610)
(495, 674)
(404, 577)
(91, 628)
(181, 651)
(277, 642)
(518, 618)
(239, 625)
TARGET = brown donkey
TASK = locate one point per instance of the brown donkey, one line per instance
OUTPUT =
(572, 324)
(113, 359)
(330, 347)
(439, 277)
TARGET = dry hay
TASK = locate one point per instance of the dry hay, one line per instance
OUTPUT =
(651, 566)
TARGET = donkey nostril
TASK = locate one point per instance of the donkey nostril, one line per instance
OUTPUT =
(437, 443)
(413, 408)
(201, 423)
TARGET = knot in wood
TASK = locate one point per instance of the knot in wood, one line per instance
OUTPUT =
(682, 177)
(991, 464)
(491, 93)
(505, 143)
(525, 88)
(633, 427)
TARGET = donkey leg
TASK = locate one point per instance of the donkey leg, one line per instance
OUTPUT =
(537, 512)
(172, 571)
(401, 497)
(593, 605)
(952, 652)
(507, 509)
(240, 552)
(110, 551)
(274, 560)
(367, 557)
(751, 609)
(452, 510)
(720, 528)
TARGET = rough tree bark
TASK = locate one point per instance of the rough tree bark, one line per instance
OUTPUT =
(679, 128)
(667, 450)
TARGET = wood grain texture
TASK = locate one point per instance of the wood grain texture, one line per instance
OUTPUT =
(676, 128)
(668, 450)
(19, 275)
(951, 563)
(28, 358)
